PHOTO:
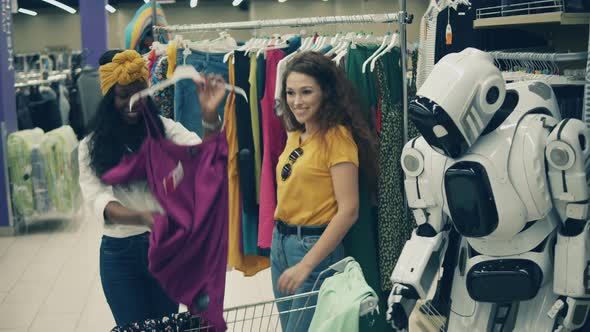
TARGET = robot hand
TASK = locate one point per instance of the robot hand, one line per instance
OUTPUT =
(401, 302)
(574, 312)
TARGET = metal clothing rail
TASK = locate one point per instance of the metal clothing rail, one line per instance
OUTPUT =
(291, 22)
(34, 82)
(530, 56)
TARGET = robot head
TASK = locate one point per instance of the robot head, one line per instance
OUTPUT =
(457, 101)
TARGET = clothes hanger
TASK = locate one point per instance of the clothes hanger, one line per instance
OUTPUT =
(263, 48)
(383, 46)
(223, 43)
(342, 52)
(159, 48)
(307, 43)
(334, 42)
(241, 48)
(186, 51)
(181, 73)
(394, 42)
(279, 43)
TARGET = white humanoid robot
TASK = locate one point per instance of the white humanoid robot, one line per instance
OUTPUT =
(496, 163)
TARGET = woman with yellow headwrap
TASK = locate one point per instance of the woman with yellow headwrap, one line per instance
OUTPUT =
(126, 211)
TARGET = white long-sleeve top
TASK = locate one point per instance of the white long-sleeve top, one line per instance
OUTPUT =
(136, 196)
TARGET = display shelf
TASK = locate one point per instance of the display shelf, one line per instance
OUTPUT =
(554, 17)
(530, 12)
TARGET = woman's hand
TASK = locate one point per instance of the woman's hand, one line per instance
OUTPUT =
(147, 218)
(211, 93)
(293, 278)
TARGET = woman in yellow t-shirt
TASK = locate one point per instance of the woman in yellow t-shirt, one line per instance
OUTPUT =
(317, 178)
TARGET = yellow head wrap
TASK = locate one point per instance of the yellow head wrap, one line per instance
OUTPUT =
(126, 67)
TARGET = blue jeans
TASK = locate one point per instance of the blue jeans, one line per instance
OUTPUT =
(285, 252)
(187, 109)
(131, 291)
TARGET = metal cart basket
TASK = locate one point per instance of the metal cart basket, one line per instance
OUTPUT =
(264, 316)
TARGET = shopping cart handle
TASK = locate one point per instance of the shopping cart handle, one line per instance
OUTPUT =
(341, 265)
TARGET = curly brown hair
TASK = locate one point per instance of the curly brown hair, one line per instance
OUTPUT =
(340, 106)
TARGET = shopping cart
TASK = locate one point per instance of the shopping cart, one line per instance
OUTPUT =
(265, 317)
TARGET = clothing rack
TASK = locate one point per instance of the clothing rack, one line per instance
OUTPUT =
(34, 82)
(291, 22)
(531, 56)
(401, 17)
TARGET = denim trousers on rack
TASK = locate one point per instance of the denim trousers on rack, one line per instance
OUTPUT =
(187, 109)
(285, 252)
(132, 293)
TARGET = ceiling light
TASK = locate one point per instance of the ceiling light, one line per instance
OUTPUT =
(194, 3)
(282, 0)
(237, 2)
(26, 11)
(110, 8)
(61, 5)
(146, 1)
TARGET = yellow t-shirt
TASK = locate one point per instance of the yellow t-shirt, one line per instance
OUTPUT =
(307, 196)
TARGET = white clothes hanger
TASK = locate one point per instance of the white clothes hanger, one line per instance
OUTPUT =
(223, 43)
(241, 48)
(254, 46)
(264, 47)
(181, 73)
(307, 43)
(394, 42)
(279, 43)
(186, 51)
(455, 3)
(159, 48)
(383, 46)
(334, 42)
(341, 53)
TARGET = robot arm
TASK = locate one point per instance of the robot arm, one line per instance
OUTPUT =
(567, 155)
(422, 255)
(568, 159)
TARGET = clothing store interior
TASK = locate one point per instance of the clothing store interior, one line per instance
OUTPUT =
(295, 165)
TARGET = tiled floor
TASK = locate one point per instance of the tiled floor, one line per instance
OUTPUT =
(49, 280)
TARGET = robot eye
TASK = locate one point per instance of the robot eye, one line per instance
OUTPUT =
(493, 95)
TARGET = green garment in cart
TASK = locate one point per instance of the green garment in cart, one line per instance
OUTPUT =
(339, 301)
(393, 229)
(19, 147)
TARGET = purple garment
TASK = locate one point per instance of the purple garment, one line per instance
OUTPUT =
(188, 246)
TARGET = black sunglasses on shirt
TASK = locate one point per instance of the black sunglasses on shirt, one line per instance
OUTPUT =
(288, 168)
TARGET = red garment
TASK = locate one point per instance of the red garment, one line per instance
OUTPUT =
(188, 246)
(274, 138)
(152, 58)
